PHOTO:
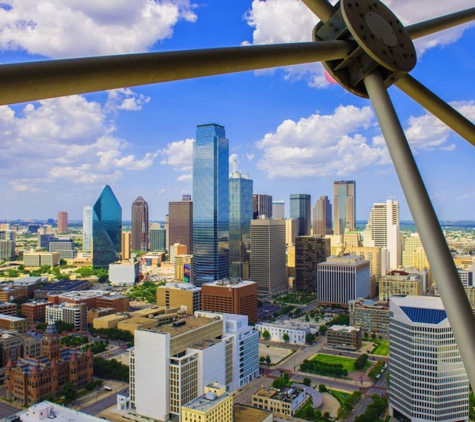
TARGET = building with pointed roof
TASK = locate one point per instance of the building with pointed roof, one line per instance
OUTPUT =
(30, 380)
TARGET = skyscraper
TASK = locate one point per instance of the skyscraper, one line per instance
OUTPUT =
(428, 379)
(268, 256)
(382, 231)
(140, 225)
(278, 209)
(87, 228)
(344, 206)
(106, 229)
(300, 210)
(211, 204)
(158, 238)
(309, 252)
(62, 222)
(180, 222)
(322, 216)
(261, 205)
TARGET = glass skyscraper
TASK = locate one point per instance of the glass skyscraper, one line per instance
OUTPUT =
(106, 229)
(211, 204)
(240, 216)
(344, 206)
(86, 228)
(140, 225)
(300, 210)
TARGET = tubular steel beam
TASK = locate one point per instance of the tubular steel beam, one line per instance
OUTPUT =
(453, 295)
(40, 80)
(438, 107)
(321, 8)
(422, 29)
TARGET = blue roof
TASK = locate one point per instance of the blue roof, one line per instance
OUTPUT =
(424, 315)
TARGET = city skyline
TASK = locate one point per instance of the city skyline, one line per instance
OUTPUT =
(131, 138)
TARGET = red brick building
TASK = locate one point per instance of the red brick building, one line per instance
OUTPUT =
(119, 302)
(35, 311)
(7, 308)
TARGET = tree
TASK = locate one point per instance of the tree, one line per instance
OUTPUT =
(322, 388)
(360, 362)
(266, 335)
(366, 334)
(268, 361)
(323, 329)
(373, 336)
(307, 382)
(307, 318)
(286, 337)
(262, 359)
(309, 338)
(69, 392)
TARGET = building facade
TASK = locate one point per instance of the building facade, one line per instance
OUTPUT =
(158, 238)
(215, 405)
(309, 252)
(344, 206)
(140, 225)
(344, 337)
(322, 216)
(371, 316)
(283, 403)
(211, 204)
(62, 222)
(185, 296)
(180, 222)
(300, 210)
(126, 245)
(261, 206)
(399, 283)
(87, 229)
(278, 209)
(296, 332)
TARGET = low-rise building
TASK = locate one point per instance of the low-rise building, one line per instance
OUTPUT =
(7, 308)
(400, 283)
(70, 313)
(88, 297)
(284, 402)
(243, 413)
(35, 310)
(215, 405)
(8, 322)
(10, 292)
(61, 287)
(183, 295)
(296, 332)
(94, 313)
(119, 302)
(370, 316)
(344, 337)
(109, 321)
(37, 259)
(125, 273)
(30, 284)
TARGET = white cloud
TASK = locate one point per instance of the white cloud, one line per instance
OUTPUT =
(250, 157)
(57, 28)
(321, 145)
(184, 178)
(179, 155)
(125, 99)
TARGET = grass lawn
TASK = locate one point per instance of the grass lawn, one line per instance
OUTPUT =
(339, 395)
(302, 413)
(346, 362)
(382, 349)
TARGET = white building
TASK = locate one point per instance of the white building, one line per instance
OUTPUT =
(87, 228)
(296, 332)
(428, 379)
(170, 365)
(71, 313)
(124, 273)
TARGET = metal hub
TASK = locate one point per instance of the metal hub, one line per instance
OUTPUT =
(381, 41)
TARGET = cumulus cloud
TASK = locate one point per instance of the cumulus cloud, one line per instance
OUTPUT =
(184, 178)
(321, 145)
(179, 155)
(57, 28)
(125, 99)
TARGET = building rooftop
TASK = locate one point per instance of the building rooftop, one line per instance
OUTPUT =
(287, 394)
(421, 309)
(244, 413)
(344, 260)
(65, 285)
(343, 328)
(181, 286)
(232, 282)
(83, 294)
(11, 318)
(205, 402)
(50, 411)
(183, 326)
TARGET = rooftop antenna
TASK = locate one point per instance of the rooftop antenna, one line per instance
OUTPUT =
(235, 165)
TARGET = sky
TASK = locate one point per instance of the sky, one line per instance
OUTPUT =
(288, 128)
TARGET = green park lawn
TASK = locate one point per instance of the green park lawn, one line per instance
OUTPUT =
(382, 349)
(346, 362)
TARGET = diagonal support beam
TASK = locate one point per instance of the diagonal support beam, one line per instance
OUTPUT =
(321, 8)
(431, 26)
(453, 295)
(438, 107)
(55, 78)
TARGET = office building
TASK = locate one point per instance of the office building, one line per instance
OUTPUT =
(261, 206)
(344, 206)
(34, 311)
(211, 204)
(175, 250)
(382, 231)
(8, 322)
(119, 303)
(106, 229)
(300, 210)
(64, 245)
(124, 273)
(342, 279)
(413, 254)
(171, 365)
(309, 252)
(428, 379)
(87, 229)
(7, 250)
(140, 225)
(268, 256)
(344, 337)
(180, 222)
(44, 239)
(158, 238)
(373, 255)
(231, 296)
(38, 259)
(33, 228)
(297, 332)
(180, 295)
(322, 216)
(62, 222)
(278, 209)
(70, 313)
(399, 282)
(291, 230)
(284, 403)
(371, 316)
(215, 405)
(7, 308)
(126, 245)
(183, 268)
(240, 216)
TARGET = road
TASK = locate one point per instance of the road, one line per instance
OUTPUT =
(103, 404)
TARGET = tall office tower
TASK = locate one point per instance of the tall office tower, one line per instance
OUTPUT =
(180, 222)
(414, 254)
(167, 232)
(140, 225)
(261, 206)
(341, 279)
(87, 229)
(322, 216)
(173, 363)
(278, 209)
(126, 244)
(240, 216)
(106, 229)
(300, 210)
(268, 256)
(291, 230)
(62, 222)
(7, 243)
(344, 206)
(382, 231)
(211, 204)
(428, 379)
(158, 238)
(309, 252)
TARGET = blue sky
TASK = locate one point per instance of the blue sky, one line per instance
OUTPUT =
(288, 128)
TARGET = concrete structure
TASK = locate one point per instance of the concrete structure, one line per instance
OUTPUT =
(231, 296)
(344, 337)
(342, 279)
(47, 411)
(371, 316)
(428, 379)
(296, 332)
(125, 273)
(172, 364)
(61, 287)
(87, 229)
(62, 222)
(268, 256)
(300, 209)
(309, 252)
(261, 206)
(88, 297)
(278, 209)
(344, 206)
(8, 292)
(291, 230)
(7, 308)
(180, 222)
(118, 302)
(70, 313)
(284, 403)
(64, 245)
(180, 295)
(414, 256)
(37, 259)
(35, 310)
(215, 405)
(7, 249)
(177, 249)
(322, 217)
(109, 321)
(291, 260)
(243, 413)
(30, 284)
(94, 313)
(399, 283)
(126, 245)
(140, 225)
(371, 254)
